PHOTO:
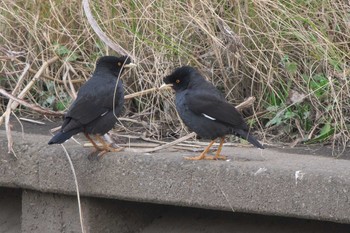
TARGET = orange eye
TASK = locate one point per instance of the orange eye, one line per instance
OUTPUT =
(177, 81)
(119, 63)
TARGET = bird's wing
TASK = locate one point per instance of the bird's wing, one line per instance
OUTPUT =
(215, 109)
(92, 101)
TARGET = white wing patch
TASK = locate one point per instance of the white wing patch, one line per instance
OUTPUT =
(209, 117)
(104, 113)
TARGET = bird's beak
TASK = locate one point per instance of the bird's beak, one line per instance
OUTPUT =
(165, 86)
(130, 65)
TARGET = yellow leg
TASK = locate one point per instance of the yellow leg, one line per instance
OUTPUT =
(106, 147)
(92, 142)
(217, 155)
(203, 154)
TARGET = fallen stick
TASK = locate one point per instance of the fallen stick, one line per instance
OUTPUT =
(32, 121)
(34, 79)
(148, 150)
(34, 107)
(248, 102)
(51, 78)
(140, 93)
(93, 23)
(44, 111)
(12, 105)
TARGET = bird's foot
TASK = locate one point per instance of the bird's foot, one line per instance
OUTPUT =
(206, 157)
(109, 148)
(98, 154)
(216, 157)
(195, 158)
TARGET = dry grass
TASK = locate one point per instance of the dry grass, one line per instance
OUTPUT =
(293, 56)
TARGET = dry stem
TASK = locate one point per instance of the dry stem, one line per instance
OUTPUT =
(34, 107)
(14, 102)
(116, 47)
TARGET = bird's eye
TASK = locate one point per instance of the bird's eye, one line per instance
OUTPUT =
(177, 81)
(119, 63)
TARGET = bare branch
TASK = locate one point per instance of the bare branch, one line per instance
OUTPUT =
(34, 79)
(116, 47)
(34, 107)
(136, 94)
(147, 150)
(247, 103)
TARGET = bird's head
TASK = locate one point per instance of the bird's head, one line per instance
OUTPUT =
(115, 64)
(181, 78)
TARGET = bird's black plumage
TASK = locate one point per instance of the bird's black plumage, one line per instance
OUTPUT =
(100, 100)
(204, 109)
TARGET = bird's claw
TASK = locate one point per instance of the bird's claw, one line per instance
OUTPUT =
(205, 157)
(216, 157)
(98, 154)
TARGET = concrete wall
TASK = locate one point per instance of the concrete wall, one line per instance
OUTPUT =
(47, 212)
(255, 191)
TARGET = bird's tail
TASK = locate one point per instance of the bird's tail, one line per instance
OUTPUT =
(61, 137)
(245, 135)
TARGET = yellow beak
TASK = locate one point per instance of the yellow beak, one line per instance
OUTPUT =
(165, 86)
(130, 65)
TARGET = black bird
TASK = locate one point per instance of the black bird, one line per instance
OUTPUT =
(100, 100)
(205, 111)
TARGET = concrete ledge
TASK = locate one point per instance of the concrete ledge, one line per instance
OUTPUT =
(265, 182)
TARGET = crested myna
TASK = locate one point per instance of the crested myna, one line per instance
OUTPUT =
(100, 100)
(204, 110)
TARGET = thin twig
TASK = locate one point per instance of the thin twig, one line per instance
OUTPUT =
(21, 79)
(76, 187)
(147, 150)
(8, 130)
(247, 103)
(93, 23)
(32, 121)
(7, 113)
(34, 79)
(55, 79)
(140, 93)
(12, 105)
(34, 107)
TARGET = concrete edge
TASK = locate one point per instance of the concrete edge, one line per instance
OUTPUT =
(257, 181)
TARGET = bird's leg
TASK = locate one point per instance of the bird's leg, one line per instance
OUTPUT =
(106, 147)
(203, 154)
(92, 155)
(92, 142)
(218, 151)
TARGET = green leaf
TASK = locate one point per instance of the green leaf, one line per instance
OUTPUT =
(326, 131)
(73, 57)
(289, 115)
(291, 67)
(63, 51)
(306, 115)
(277, 120)
(60, 106)
(273, 108)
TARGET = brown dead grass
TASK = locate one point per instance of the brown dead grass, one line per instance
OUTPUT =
(292, 56)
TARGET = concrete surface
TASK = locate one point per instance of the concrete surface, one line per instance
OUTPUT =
(10, 210)
(55, 213)
(267, 182)
(43, 212)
